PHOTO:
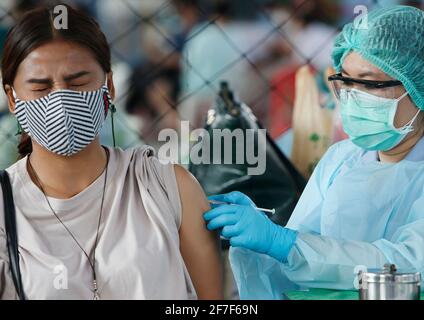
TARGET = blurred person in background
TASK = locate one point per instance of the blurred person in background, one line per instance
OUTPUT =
(225, 47)
(8, 137)
(154, 85)
(309, 31)
(152, 99)
(123, 27)
(11, 11)
(176, 23)
(190, 14)
(121, 223)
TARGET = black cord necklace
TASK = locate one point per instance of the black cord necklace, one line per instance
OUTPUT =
(93, 261)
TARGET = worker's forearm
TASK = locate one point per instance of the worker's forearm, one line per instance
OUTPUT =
(322, 262)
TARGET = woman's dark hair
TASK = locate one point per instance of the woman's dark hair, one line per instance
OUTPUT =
(36, 28)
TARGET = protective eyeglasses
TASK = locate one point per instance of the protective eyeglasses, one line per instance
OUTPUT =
(384, 89)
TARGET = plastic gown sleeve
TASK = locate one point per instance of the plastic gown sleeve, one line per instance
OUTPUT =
(259, 276)
(322, 262)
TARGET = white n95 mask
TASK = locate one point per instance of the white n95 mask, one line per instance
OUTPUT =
(64, 121)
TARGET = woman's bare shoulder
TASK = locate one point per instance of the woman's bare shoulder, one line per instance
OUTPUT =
(190, 189)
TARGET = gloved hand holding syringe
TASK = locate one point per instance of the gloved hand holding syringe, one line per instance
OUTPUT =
(272, 211)
(236, 218)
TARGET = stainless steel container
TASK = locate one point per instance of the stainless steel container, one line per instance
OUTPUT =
(389, 284)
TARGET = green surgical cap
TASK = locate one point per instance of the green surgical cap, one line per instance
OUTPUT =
(392, 39)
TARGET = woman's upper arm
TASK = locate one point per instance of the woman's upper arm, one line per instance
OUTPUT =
(199, 247)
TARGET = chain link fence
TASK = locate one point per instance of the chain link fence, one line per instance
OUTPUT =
(170, 55)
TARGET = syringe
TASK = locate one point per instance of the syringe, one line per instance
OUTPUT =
(272, 211)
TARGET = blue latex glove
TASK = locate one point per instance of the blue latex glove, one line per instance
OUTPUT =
(249, 228)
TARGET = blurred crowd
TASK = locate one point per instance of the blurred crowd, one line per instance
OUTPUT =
(170, 55)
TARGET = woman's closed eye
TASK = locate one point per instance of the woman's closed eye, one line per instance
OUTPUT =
(40, 89)
(78, 85)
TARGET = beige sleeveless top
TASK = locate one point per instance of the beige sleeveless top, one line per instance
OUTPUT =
(137, 255)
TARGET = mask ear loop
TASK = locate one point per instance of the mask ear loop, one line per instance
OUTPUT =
(408, 126)
(403, 96)
(112, 109)
(112, 112)
(410, 123)
(19, 130)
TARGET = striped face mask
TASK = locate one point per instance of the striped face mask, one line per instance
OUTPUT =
(64, 121)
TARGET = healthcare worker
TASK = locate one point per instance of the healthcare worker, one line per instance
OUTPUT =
(364, 204)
